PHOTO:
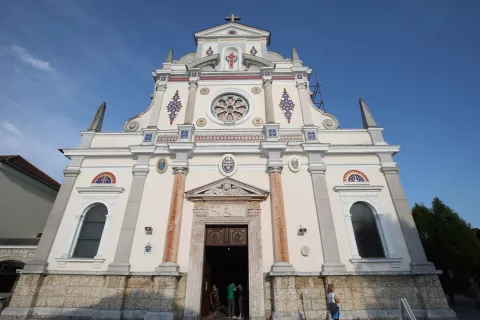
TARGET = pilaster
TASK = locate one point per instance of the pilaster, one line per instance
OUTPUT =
(121, 261)
(376, 134)
(331, 255)
(419, 262)
(282, 263)
(267, 89)
(305, 101)
(169, 264)
(160, 88)
(87, 139)
(39, 262)
(192, 93)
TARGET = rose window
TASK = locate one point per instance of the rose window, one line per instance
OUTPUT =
(230, 108)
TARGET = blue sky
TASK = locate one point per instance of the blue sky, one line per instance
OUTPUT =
(416, 63)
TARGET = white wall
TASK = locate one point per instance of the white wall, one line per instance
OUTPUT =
(337, 166)
(25, 204)
(77, 205)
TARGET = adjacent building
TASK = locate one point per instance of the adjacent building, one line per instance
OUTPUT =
(26, 198)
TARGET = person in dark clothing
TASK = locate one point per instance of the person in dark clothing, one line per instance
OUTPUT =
(214, 299)
(231, 300)
(240, 300)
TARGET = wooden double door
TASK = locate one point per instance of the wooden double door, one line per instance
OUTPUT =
(226, 236)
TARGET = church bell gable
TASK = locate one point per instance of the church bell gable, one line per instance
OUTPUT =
(232, 30)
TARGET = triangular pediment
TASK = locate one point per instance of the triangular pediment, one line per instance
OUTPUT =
(226, 188)
(232, 30)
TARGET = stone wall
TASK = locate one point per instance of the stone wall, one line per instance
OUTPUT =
(295, 298)
(20, 254)
(362, 297)
(286, 297)
(366, 293)
(98, 296)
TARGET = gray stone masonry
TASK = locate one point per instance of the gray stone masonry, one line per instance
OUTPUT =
(95, 296)
(163, 297)
(20, 254)
(362, 297)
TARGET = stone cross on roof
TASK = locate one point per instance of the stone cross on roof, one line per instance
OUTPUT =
(232, 18)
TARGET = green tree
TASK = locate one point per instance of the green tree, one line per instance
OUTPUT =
(447, 239)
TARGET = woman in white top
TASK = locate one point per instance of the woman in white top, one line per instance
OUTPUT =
(333, 302)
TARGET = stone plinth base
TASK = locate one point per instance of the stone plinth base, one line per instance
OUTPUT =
(106, 296)
(163, 297)
(362, 297)
(282, 267)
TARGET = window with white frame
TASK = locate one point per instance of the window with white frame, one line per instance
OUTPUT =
(365, 229)
(88, 240)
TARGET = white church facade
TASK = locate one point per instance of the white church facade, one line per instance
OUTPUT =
(230, 174)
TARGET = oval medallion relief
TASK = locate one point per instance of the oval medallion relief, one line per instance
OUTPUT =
(294, 164)
(162, 165)
(228, 165)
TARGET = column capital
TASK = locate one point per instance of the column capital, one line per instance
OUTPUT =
(302, 85)
(275, 169)
(317, 168)
(267, 83)
(315, 153)
(71, 172)
(182, 170)
(390, 169)
(161, 87)
(192, 84)
(140, 171)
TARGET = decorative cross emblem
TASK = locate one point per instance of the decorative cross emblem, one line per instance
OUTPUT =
(232, 18)
(231, 58)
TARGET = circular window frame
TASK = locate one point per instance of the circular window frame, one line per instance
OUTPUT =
(218, 94)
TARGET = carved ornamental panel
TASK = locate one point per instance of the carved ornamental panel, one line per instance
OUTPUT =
(225, 236)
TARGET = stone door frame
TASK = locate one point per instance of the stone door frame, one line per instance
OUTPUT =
(196, 261)
(226, 202)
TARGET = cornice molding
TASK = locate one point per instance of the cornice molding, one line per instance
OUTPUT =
(100, 189)
(357, 188)
(214, 59)
(249, 59)
(255, 147)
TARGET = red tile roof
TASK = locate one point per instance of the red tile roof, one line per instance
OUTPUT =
(26, 167)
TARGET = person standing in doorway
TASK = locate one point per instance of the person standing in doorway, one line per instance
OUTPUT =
(240, 300)
(333, 302)
(231, 300)
(214, 299)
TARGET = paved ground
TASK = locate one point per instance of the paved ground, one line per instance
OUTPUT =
(220, 315)
(465, 308)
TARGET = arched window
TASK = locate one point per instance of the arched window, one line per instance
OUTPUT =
(366, 232)
(104, 178)
(91, 232)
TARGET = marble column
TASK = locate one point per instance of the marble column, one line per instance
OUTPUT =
(269, 113)
(39, 262)
(419, 262)
(305, 103)
(192, 94)
(156, 105)
(279, 226)
(121, 260)
(328, 237)
(174, 224)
